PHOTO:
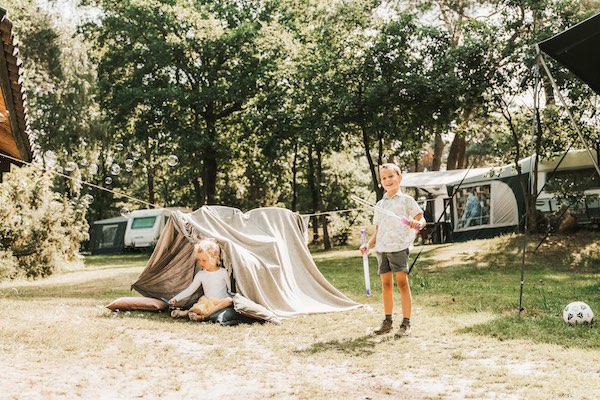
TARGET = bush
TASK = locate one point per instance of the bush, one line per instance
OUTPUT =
(8, 265)
(40, 229)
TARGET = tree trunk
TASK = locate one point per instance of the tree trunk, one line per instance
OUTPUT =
(198, 192)
(313, 192)
(210, 163)
(452, 162)
(438, 150)
(532, 225)
(367, 147)
(326, 241)
(462, 153)
(294, 178)
(149, 169)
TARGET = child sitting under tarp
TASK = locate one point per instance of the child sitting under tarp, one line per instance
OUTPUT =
(216, 305)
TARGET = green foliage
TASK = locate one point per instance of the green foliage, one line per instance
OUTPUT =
(40, 228)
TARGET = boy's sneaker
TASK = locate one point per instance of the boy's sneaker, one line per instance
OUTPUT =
(385, 327)
(404, 330)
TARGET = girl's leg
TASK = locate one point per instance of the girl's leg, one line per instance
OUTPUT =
(228, 316)
(387, 286)
(405, 294)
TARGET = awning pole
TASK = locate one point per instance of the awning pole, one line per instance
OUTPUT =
(571, 118)
(532, 160)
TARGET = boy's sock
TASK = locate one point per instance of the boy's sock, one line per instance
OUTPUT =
(405, 322)
(388, 317)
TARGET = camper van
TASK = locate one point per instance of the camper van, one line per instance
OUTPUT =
(144, 226)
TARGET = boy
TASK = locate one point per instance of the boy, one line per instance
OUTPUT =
(391, 240)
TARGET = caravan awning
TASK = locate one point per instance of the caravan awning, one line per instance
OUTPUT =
(577, 49)
(435, 182)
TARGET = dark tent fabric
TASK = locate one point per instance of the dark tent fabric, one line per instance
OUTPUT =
(107, 236)
(577, 48)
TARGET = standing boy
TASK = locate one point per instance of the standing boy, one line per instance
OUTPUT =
(391, 240)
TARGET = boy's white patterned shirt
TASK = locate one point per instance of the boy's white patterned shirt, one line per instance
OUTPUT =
(392, 234)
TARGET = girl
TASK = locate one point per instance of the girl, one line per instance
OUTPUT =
(216, 286)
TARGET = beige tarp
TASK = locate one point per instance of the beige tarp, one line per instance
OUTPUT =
(265, 252)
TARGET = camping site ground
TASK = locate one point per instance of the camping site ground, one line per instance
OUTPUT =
(468, 341)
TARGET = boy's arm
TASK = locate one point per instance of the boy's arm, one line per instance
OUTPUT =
(371, 243)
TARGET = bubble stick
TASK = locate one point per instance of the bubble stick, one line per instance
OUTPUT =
(365, 257)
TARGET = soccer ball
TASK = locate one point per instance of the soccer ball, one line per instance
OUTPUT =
(578, 312)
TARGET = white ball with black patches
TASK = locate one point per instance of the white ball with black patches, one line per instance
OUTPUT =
(577, 313)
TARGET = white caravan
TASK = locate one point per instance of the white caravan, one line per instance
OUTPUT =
(145, 226)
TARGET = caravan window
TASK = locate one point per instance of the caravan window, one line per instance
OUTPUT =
(588, 176)
(107, 236)
(143, 222)
(473, 206)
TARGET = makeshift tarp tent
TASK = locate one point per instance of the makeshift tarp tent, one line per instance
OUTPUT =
(107, 236)
(264, 252)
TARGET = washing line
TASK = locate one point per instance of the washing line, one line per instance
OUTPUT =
(81, 181)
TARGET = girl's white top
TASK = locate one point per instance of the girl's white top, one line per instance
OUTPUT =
(216, 285)
(392, 234)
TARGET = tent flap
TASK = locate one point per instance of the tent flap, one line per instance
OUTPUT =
(577, 49)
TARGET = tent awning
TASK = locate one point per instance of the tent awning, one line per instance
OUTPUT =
(577, 49)
(435, 182)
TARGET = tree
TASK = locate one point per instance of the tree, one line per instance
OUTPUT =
(175, 73)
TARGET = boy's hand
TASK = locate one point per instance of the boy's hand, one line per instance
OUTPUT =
(364, 249)
(414, 224)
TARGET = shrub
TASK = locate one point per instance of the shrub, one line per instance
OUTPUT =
(40, 228)
(8, 264)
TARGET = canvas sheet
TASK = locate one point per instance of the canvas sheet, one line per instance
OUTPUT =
(264, 250)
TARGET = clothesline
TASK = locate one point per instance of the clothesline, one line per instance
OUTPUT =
(145, 202)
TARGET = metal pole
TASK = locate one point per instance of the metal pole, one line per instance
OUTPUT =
(532, 190)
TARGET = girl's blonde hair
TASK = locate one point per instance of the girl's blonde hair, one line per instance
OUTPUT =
(209, 246)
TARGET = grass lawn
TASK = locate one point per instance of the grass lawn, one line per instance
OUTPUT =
(484, 276)
(469, 339)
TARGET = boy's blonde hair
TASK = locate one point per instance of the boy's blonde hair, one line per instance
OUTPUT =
(391, 166)
(209, 246)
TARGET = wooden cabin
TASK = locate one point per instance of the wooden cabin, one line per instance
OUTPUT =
(15, 135)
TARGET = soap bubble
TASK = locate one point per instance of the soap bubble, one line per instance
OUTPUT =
(119, 146)
(88, 198)
(50, 158)
(136, 155)
(70, 166)
(125, 212)
(108, 180)
(115, 169)
(84, 163)
(172, 160)
(93, 169)
(129, 163)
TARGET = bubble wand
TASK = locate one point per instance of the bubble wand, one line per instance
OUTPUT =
(365, 256)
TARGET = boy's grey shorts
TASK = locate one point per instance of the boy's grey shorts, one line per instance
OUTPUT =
(396, 261)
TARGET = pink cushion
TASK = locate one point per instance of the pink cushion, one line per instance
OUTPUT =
(137, 303)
